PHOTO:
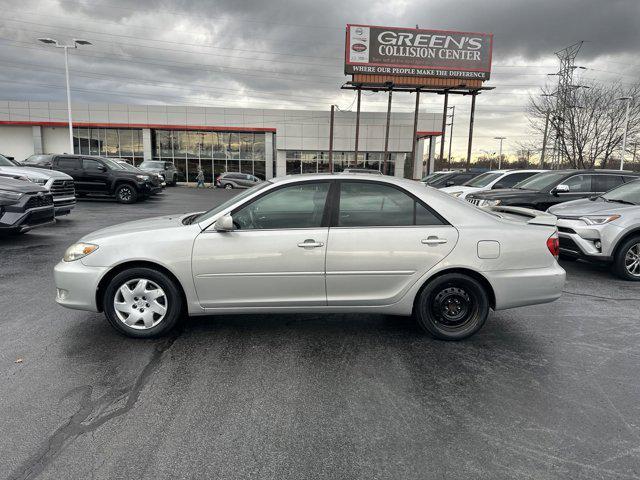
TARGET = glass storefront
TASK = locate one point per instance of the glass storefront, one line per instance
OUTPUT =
(213, 152)
(123, 143)
(317, 162)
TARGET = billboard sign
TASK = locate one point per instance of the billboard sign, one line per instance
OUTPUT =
(417, 53)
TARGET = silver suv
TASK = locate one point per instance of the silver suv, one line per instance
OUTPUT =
(59, 184)
(230, 180)
(604, 228)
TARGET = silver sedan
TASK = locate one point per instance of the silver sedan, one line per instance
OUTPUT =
(319, 243)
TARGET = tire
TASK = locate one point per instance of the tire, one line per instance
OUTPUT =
(173, 181)
(149, 321)
(626, 263)
(126, 193)
(228, 186)
(466, 302)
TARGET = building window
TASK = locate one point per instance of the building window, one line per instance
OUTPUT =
(213, 152)
(109, 142)
(318, 162)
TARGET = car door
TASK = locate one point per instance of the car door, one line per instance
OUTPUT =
(275, 256)
(95, 176)
(381, 242)
(580, 186)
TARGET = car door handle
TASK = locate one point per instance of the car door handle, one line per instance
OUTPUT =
(433, 241)
(310, 243)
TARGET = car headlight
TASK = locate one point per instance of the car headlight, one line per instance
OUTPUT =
(455, 194)
(39, 181)
(142, 177)
(599, 219)
(79, 250)
(9, 195)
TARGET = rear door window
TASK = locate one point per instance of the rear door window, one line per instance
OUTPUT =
(604, 183)
(68, 163)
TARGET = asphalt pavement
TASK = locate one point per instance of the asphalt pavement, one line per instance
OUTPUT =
(549, 391)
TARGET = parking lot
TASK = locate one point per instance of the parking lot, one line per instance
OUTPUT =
(548, 391)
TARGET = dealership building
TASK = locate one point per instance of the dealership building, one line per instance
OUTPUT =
(261, 142)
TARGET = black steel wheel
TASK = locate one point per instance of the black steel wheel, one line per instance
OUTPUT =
(452, 307)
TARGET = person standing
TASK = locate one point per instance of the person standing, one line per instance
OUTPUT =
(200, 179)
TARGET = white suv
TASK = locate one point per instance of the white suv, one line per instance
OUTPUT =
(491, 180)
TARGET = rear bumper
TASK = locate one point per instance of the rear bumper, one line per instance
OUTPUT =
(77, 284)
(531, 286)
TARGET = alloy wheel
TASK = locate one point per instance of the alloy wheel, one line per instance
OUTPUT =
(140, 303)
(632, 260)
(125, 194)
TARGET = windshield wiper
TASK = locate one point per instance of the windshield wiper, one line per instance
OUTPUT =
(615, 200)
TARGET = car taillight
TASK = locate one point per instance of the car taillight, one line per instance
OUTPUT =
(553, 244)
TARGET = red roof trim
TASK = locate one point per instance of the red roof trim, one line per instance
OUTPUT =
(140, 125)
(428, 134)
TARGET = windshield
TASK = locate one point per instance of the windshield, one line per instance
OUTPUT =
(152, 165)
(629, 192)
(437, 178)
(112, 164)
(482, 180)
(431, 176)
(213, 212)
(541, 181)
(5, 162)
(126, 165)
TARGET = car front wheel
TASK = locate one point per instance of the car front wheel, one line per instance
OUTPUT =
(452, 307)
(626, 263)
(142, 303)
(228, 186)
(126, 194)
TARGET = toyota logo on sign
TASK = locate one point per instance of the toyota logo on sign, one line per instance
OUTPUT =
(359, 47)
(359, 31)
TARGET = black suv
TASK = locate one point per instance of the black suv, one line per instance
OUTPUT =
(97, 176)
(550, 188)
(167, 169)
(23, 206)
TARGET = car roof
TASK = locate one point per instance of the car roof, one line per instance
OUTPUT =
(345, 176)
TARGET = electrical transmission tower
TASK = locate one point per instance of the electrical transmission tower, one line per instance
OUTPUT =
(564, 95)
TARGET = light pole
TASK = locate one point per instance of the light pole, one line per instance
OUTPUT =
(500, 157)
(626, 126)
(55, 43)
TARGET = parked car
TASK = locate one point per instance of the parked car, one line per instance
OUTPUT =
(603, 228)
(236, 180)
(550, 188)
(493, 180)
(165, 168)
(450, 179)
(318, 243)
(59, 184)
(97, 176)
(156, 179)
(24, 205)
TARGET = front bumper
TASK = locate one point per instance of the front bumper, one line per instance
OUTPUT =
(64, 205)
(17, 218)
(77, 284)
(591, 242)
(530, 286)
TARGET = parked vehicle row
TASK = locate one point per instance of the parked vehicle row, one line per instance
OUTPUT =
(100, 176)
(598, 211)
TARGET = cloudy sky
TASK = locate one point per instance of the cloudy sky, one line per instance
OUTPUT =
(289, 54)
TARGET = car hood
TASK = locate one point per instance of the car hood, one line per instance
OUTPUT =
(36, 173)
(147, 225)
(504, 194)
(20, 186)
(582, 207)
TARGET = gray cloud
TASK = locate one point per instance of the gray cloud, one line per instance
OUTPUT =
(282, 54)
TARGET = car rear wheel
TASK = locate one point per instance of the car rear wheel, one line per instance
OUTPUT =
(228, 186)
(142, 303)
(626, 263)
(126, 194)
(452, 307)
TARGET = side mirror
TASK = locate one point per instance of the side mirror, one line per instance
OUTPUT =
(224, 224)
(562, 188)
(498, 186)
(102, 168)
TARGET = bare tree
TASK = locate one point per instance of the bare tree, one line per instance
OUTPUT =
(588, 131)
